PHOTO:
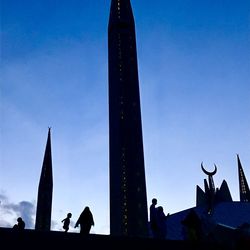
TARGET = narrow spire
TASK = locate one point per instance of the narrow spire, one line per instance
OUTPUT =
(128, 197)
(45, 189)
(243, 185)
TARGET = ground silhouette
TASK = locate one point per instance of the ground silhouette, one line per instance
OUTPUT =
(32, 239)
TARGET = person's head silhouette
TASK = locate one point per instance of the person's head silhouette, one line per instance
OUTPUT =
(154, 201)
(19, 219)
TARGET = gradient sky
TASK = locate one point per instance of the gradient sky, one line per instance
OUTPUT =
(194, 72)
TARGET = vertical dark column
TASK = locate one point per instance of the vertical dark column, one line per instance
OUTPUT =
(128, 200)
(45, 189)
(243, 185)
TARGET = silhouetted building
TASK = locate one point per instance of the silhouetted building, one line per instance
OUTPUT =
(243, 185)
(212, 196)
(128, 201)
(45, 190)
(219, 214)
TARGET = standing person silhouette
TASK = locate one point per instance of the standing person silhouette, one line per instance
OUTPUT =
(161, 223)
(86, 221)
(66, 222)
(153, 217)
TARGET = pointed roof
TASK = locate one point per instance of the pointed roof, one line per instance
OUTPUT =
(47, 160)
(45, 191)
(223, 194)
(201, 198)
(243, 185)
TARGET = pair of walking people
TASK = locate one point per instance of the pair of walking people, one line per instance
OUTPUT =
(85, 221)
(157, 221)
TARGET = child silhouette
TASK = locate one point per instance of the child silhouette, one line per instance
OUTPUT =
(66, 222)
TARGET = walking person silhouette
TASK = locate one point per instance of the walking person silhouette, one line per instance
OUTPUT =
(66, 222)
(85, 221)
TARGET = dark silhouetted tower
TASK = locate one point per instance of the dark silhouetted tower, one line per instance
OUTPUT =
(128, 200)
(45, 189)
(243, 185)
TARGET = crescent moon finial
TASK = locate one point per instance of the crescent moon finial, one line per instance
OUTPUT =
(209, 173)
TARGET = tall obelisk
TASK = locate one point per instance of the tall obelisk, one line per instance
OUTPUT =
(128, 199)
(45, 190)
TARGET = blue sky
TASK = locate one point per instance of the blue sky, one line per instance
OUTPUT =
(194, 65)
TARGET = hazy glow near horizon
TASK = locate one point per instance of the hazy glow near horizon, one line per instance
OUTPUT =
(194, 65)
